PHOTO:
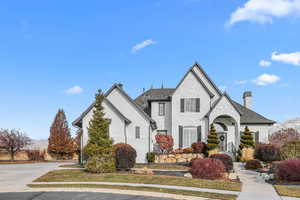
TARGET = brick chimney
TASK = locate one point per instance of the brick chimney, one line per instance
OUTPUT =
(247, 99)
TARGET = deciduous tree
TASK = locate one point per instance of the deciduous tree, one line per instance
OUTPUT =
(13, 141)
(283, 136)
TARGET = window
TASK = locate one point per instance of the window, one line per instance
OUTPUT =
(190, 105)
(161, 109)
(165, 132)
(256, 137)
(137, 132)
(189, 136)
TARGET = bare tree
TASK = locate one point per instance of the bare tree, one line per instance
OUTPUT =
(13, 141)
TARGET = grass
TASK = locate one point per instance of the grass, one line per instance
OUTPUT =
(162, 166)
(148, 189)
(76, 175)
(289, 191)
(75, 166)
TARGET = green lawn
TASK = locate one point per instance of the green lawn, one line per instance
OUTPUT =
(148, 189)
(77, 175)
(75, 166)
(290, 191)
(161, 166)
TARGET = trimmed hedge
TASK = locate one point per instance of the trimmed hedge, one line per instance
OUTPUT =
(226, 160)
(289, 170)
(207, 168)
(253, 164)
(267, 152)
(125, 156)
(199, 147)
(150, 156)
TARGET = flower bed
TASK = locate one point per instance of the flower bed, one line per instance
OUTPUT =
(176, 157)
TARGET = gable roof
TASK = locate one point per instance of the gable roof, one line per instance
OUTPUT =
(78, 121)
(230, 101)
(199, 79)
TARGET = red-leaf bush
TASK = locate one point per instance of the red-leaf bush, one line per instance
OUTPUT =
(35, 155)
(165, 142)
(125, 156)
(289, 170)
(199, 147)
(283, 136)
(226, 160)
(207, 168)
(253, 164)
(267, 152)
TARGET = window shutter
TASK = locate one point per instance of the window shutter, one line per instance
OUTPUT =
(181, 105)
(197, 105)
(199, 133)
(180, 136)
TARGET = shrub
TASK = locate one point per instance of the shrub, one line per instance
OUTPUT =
(226, 160)
(207, 168)
(199, 147)
(125, 156)
(283, 136)
(150, 157)
(35, 155)
(100, 164)
(165, 142)
(253, 164)
(267, 152)
(188, 150)
(212, 138)
(246, 142)
(290, 150)
(289, 170)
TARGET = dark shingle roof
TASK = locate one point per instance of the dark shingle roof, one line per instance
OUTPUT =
(247, 116)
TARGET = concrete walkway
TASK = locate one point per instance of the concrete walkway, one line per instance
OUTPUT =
(144, 185)
(254, 187)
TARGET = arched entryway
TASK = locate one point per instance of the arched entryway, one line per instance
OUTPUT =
(227, 130)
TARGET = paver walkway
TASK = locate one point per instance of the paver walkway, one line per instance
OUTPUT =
(254, 187)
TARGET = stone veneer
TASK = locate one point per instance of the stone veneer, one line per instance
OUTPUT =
(176, 158)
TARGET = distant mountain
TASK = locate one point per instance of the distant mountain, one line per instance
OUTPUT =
(293, 123)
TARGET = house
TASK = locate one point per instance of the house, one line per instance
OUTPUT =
(185, 112)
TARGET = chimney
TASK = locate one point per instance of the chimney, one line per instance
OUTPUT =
(247, 99)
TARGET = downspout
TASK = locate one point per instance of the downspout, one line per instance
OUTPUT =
(125, 134)
(81, 149)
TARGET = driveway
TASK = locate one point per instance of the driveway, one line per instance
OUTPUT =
(15, 177)
(72, 196)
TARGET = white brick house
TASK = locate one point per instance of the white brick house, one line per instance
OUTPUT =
(185, 112)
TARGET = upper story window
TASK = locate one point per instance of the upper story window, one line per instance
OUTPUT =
(137, 132)
(164, 132)
(190, 105)
(161, 109)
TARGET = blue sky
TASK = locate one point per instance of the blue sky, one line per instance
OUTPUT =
(48, 47)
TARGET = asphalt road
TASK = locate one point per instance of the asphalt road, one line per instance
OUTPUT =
(71, 196)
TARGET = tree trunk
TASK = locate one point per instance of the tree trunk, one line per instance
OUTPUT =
(12, 155)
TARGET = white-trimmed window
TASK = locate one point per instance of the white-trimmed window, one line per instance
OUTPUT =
(161, 109)
(190, 105)
(137, 132)
(189, 136)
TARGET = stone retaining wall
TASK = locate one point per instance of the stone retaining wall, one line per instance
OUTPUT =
(176, 158)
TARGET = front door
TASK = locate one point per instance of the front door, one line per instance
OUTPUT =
(223, 141)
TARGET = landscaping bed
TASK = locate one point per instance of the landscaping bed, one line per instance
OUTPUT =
(162, 166)
(77, 175)
(148, 189)
(288, 190)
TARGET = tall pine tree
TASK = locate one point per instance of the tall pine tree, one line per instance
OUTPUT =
(212, 138)
(99, 149)
(60, 141)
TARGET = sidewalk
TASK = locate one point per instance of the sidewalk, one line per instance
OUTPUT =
(254, 187)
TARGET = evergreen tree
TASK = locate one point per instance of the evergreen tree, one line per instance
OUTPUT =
(99, 149)
(246, 142)
(60, 141)
(212, 138)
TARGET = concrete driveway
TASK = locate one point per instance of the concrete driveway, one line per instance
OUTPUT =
(72, 196)
(15, 177)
